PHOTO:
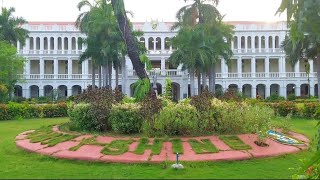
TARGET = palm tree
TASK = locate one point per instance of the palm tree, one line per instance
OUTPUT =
(10, 29)
(130, 41)
(210, 20)
(303, 19)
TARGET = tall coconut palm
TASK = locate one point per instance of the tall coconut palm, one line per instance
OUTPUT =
(303, 19)
(205, 15)
(10, 29)
(130, 41)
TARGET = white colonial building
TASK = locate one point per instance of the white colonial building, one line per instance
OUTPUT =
(258, 66)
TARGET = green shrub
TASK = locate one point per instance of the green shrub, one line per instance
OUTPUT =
(80, 117)
(44, 99)
(3, 93)
(231, 95)
(127, 99)
(316, 115)
(4, 112)
(54, 110)
(101, 101)
(275, 97)
(125, 118)
(218, 93)
(284, 108)
(310, 109)
(177, 119)
(202, 102)
(150, 107)
(291, 97)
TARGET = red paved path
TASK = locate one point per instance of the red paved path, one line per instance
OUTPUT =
(93, 152)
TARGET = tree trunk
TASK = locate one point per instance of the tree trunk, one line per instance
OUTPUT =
(130, 40)
(318, 74)
(93, 74)
(117, 74)
(100, 77)
(107, 74)
(199, 82)
(204, 80)
(213, 79)
(110, 75)
(192, 88)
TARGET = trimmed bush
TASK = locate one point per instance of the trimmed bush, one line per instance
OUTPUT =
(81, 118)
(54, 110)
(125, 118)
(284, 108)
(179, 119)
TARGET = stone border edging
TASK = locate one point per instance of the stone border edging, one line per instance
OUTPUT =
(93, 152)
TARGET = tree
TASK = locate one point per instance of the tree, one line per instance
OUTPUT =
(130, 41)
(10, 29)
(11, 65)
(214, 35)
(303, 19)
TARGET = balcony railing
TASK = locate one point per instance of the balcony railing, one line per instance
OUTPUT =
(173, 73)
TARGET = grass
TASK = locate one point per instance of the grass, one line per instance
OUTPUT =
(203, 146)
(155, 147)
(16, 163)
(89, 141)
(234, 142)
(117, 147)
(177, 146)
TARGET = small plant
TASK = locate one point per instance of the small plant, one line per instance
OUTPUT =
(168, 88)
(141, 89)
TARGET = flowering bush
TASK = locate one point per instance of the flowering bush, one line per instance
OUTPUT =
(284, 108)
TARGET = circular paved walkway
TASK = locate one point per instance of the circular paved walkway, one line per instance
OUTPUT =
(94, 152)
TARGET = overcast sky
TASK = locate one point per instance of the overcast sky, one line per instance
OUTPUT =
(66, 10)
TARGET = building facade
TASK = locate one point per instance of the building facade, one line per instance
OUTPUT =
(258, 66)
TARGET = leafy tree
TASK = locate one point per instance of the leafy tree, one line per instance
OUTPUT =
(204, 17)
(10, 29)
(11, 65)
(303, 19)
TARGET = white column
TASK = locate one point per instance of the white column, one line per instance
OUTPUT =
(311, 65)
(41, 91)
(253, 91)
(274, 43)
(232, 45)
(69, 44)
(163, 66)
(283, 91)
(27, 47)
(266, 65)
(69, 67)
(77, 47)
(267, 90)
(239, 44)
(253, 47)
(62, 44)
(267, 43)
(311, 90)
(253, 66)
(154, 43)
(239, 66)
(55, 43)
(55, 67)
(163, 41)
(85, 67)
(41, 63)
(18, 46)
(41, 45)
(146, 43)
(69, 89)
(34, 43)
(259, 39)
(246, 43)
(297, 69)
(298, 90)
(283, 64)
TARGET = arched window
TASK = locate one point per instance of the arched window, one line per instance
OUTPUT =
(167, 43)
(37, 43)
(31, 43)
(243, 42)
(80, 42)
(51, 43)
(277, 44)
(235, 42)
(158, 43)
(151, 45)
(249, 42)
(45, 43)
(270, 42)
(73, 43)
(65, 42)
(263, 42)
(59, 43)
(256, 42)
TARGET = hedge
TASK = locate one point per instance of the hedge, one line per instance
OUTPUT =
(15, 111)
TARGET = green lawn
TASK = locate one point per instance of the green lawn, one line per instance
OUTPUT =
(15, 163)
